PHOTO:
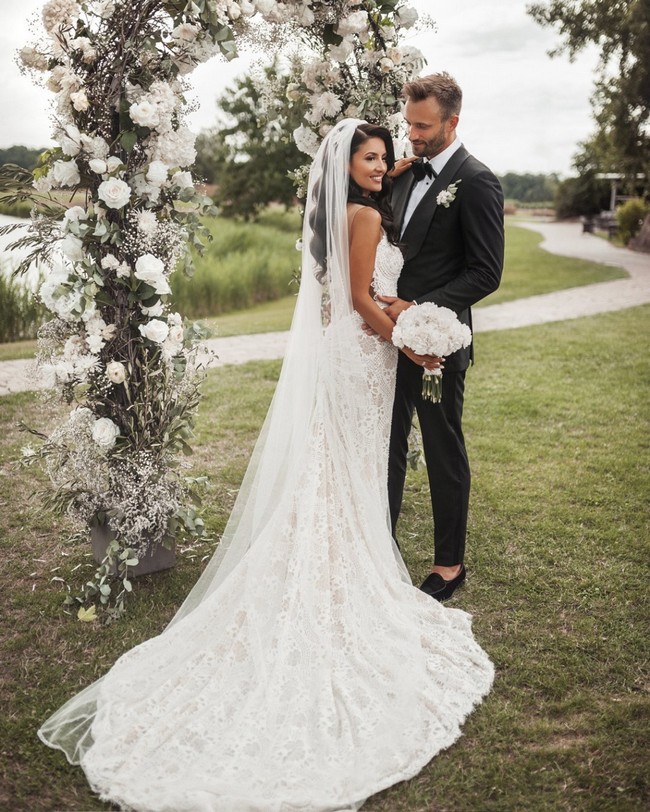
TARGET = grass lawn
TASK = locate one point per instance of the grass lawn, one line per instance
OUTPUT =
(557, 585)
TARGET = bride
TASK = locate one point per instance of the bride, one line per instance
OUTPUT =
(304, 671)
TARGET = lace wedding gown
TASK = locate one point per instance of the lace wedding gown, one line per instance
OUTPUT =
(315, 675)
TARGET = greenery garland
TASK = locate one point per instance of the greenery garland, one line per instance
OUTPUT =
(116, 212)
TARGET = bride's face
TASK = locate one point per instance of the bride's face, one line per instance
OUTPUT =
(368, 165)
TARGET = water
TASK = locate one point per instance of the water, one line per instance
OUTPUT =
(10, 259)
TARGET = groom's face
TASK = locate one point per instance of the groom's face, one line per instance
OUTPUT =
(429, 131)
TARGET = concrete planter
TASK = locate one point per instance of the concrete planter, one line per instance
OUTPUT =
(157, 559)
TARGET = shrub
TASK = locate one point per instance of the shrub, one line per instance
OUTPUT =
(630, 216)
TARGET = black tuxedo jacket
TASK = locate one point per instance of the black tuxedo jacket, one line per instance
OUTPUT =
(454, 254)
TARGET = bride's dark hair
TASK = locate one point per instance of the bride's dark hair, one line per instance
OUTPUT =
(380, 201)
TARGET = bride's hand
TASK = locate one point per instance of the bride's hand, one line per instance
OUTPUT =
(426, 361)
(401, 166)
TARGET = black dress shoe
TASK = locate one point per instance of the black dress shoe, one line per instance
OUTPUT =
(436, 586)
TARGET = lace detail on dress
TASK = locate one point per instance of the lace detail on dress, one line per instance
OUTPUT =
(315, 674)
(388, 266)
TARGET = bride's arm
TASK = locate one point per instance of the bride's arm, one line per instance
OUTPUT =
(365, 233)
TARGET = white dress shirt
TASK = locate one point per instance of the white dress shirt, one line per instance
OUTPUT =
(420, 187)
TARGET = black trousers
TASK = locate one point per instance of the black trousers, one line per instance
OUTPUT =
(444, 451)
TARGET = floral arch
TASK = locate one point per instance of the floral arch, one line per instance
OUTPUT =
(114, 349)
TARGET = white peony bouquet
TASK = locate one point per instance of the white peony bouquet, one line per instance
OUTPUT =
(431, 330)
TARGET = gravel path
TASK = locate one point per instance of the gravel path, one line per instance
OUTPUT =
(565, 239)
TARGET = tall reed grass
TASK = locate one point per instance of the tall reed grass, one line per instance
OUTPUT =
(246, 263)
(20, 313)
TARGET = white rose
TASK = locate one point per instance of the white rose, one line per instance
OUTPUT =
(113, 163)
(64, 173)
(157, 173)
(386, 65)
(123, 270)
(70, 140)
(150, 269)
(145, 114)
(116, 372)
(341, 52)
(407, 16)
(97, 166)
(72, 247)
(154, 310)
(155, 330)
(80, 101)
(105, 432)
(185, 32)
(174, 320)
(74, 214)
(182, 180)
(115, 193)
(354, 23)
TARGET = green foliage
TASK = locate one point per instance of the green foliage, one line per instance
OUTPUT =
(622, 95)
(248, 156)
(242, 265)
(21, 156)
(528, 188)
(582, 195)
(20, 314)
(630, 216)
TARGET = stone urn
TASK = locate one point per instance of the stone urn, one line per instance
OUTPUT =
(156, 559)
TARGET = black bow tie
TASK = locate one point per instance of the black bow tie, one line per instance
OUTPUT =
(422, 169)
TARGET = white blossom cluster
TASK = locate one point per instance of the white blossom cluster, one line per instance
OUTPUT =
(429, 329)
(124, 155)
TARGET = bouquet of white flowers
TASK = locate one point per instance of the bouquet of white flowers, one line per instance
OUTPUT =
(428, 329)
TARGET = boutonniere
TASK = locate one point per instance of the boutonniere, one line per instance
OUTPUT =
(448, 195)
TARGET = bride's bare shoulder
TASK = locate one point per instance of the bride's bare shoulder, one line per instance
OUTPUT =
(365, 216)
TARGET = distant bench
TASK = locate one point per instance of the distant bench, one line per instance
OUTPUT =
(605, 221)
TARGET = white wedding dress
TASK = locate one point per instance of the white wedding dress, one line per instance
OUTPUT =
(314, 674)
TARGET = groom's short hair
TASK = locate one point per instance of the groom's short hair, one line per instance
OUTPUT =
(441, 86)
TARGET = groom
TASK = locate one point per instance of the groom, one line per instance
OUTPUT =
(449, 209)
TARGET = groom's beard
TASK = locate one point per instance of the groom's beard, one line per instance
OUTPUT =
(427, 149)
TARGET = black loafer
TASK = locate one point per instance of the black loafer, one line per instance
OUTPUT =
(436, 586)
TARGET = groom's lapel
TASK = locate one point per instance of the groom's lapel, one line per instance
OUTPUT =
(418, 225)
(401, 194)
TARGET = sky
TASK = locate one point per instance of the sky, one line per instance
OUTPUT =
(522, 110)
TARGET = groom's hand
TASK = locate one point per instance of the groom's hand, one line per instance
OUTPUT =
(395, 306)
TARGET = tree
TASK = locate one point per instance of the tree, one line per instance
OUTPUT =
(249, 156)
(621, 100)
(528, 188)
(20, 156)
